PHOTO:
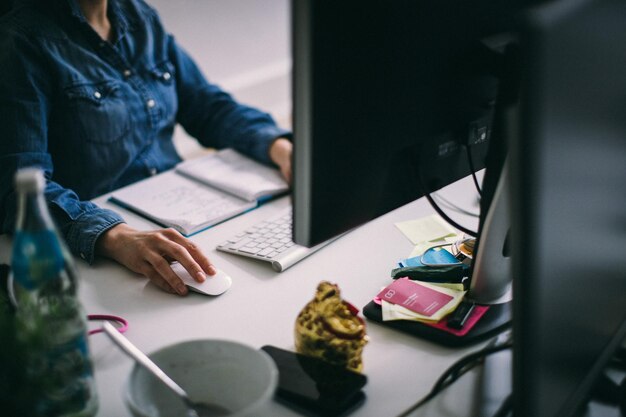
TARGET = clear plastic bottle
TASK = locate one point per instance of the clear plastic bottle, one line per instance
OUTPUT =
(49, 321)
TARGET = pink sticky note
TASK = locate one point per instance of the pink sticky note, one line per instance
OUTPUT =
(415, 296)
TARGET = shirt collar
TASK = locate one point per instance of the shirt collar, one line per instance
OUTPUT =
(74, 9)
(119, 22)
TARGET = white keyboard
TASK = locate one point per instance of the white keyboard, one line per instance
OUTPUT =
(270, 241)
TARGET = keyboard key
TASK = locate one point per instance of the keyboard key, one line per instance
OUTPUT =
(241, 243)
(250, 250)
(265, 252)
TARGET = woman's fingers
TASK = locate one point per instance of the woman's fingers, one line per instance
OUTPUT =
(163, 268)
(189, 255)
(158, 280)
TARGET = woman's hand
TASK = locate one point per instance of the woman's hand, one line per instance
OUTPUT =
(280, 154)
(150, 254)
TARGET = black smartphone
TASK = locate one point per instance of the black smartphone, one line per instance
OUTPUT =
(314, 387)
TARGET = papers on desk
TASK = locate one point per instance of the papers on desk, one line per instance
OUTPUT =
(427, 232)
(418, 301)
(236, 174)
(427, 229)
(202, 192)
(415, 300)
(429, 286)
(171, 200)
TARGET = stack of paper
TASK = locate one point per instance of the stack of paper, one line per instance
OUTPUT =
(418, 301)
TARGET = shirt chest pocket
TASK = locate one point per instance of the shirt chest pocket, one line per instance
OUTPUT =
(98, 112)
(164, 85)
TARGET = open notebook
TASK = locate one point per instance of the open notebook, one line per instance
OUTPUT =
(202, 192)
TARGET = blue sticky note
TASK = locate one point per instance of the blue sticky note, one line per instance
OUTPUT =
(438, 256)
(414, 261)
(430, 257)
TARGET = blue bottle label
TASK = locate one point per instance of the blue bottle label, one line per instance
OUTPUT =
(37, 258)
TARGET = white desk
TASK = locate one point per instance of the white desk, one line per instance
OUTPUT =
(261, 307)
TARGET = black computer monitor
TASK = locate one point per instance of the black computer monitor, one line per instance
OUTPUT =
(569, 201)
(386, 96)
(394, 100)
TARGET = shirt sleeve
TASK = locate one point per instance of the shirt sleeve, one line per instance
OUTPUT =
(213, 117)
(25, 99)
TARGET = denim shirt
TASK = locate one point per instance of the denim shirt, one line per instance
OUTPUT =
(98, 115)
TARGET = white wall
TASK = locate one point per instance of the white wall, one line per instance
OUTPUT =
(242, 45)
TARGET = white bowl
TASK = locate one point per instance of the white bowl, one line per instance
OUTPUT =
(224, 373)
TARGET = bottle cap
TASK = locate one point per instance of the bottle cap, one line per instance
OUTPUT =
(30, 180)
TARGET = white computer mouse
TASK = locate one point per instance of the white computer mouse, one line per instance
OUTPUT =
(213, 285)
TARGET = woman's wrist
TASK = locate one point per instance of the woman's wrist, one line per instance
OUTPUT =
(108, 241)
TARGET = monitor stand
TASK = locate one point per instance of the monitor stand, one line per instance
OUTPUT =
(495, 383)
(492, 272)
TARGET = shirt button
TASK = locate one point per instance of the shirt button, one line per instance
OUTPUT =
(102, 44)
(127, 73)
(153, 171)
(82, 255)
(167, 76)
(150, 103)
(97, 94)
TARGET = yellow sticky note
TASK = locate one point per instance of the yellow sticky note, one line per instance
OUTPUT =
(426, 229)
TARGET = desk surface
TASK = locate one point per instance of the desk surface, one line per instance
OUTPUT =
(261, 307)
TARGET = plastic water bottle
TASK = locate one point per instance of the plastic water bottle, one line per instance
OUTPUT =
(50, 324)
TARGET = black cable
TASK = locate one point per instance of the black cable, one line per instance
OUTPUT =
(473, 171)
(447, 218)
(444, 202)
(454, 372)
(439, 211)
